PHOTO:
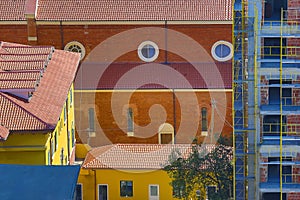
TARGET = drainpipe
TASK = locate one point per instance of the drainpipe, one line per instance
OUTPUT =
(166, 41)
(61, 34)
(174, 114)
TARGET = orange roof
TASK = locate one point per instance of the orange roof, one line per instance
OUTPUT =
(32, 98)
(135, 10)
(136, 156)
(12, 10)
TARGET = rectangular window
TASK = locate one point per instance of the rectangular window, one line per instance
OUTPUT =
(274, 92)
(71, 97)
(204, 131)
(65, 114)
(49, 158)
(62, 156)
(271, 125)
(73, 135)
(126, 188)
(102, 192)
(53, 146)
(78, 195)
(91, 119)
(153, 192)
(56, 141)
(211, 191)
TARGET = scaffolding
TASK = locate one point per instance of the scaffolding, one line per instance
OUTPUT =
(266, 102)
(244, 145)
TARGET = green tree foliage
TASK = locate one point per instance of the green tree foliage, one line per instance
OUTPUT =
(202, 168)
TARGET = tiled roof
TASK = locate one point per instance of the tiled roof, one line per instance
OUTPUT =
(88, 76)
(18, 84)
(16, 65)
(136, 156)
(12, 10)
(45, 82)
(135, 10)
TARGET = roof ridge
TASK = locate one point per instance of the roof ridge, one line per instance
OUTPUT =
(31, 114)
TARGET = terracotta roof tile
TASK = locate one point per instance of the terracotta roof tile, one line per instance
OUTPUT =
(27, 49)
(136, 156)
(26, 75)
(49, 90)
(24, 57)
(17, 84)
(22, 65)
(128, 10)
(12, 10)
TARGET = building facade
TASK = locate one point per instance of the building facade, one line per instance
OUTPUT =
(37, 105)
(131, 171)
(191, 40)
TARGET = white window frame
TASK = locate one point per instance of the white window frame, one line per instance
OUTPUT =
(149, 191)
(98, 190)
(142, 57)
(216, 57)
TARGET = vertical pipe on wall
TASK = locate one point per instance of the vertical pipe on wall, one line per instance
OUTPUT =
(174, 114)
(61, 35)
(166, 41)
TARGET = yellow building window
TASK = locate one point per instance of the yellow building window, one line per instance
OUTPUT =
(126, 188)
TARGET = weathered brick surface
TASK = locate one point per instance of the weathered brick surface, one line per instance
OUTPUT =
(92, 35)
(293, 196)
(112, 129)
(14, 33)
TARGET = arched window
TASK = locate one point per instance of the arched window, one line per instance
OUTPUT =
(203, 121)
(130, 122)
(77, 47)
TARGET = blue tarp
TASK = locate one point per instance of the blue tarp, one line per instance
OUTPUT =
(28, 182)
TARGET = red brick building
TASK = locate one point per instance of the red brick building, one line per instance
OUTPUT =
(175, 54)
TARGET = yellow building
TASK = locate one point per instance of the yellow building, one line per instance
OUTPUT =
(36, 105)
(128, 171)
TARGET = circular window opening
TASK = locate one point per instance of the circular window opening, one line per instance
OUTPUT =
(148, 51)
(222, 51)
(77, 47)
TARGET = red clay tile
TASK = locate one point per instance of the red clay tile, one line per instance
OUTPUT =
(136, 156)
(44, 108)
(129, 10)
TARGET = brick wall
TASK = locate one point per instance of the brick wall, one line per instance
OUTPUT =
(13, 33)
(264, 91)
(293, 4)
(293, 196)
(92, 35)
(112, 129)
(263, 169)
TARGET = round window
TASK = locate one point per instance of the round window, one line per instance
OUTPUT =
(148, 51)
(77, 47)
(222, 51)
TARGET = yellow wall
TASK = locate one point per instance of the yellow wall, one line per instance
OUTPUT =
(141, 181)
(36, 147)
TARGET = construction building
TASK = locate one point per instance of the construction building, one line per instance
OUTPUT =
(266, 99)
